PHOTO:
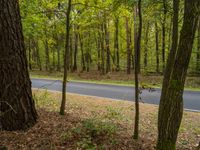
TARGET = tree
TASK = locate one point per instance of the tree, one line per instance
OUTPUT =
(62, 107)
(171, 102)
(16, 102)
(137, 69)
(128, 47)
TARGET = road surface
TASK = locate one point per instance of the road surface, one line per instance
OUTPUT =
(191, 98)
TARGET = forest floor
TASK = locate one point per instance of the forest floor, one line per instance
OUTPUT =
(121, 78)
(95, 123)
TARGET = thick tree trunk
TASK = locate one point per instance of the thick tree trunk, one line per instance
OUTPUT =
(157, 48)
(128, 71)
(63, 103)
(171, 103)
(17, 108)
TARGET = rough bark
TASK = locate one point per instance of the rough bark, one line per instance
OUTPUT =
(171, 103)
(17, 108)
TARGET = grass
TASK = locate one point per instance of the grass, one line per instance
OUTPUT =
(95, 123)
(117, 78)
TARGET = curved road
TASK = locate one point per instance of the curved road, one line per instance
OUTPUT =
(191, 98)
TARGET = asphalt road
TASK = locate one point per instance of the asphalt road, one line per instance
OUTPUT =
(191, 98)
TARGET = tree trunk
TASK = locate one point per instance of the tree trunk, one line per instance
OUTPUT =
(107, 47)
(46, 51)
(70, 55)
(63, 103)
(146, 46)
(163, 32)
(116, 43)
(75, 49)
(38, 55)
(171, 102)
(157, 48)
(102, 51)
(17, 108)
(137, 70)
(58, 52)
(128, 71)
(82, 54)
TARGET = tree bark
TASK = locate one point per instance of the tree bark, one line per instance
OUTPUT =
(17, 108)
(171, 102)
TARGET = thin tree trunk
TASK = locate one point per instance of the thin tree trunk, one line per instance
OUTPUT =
(38, 55)
(164, 32)
(116, 43)
(75, 49)
(58, 52)
(17, 107)
(157, 48)
(46, 51)
(107, 47)
(171, 102)
(82, 54)
(137, 70)
(70, 55)
(63, 103)
(102, 51)
(146, 46)
(128, 71)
